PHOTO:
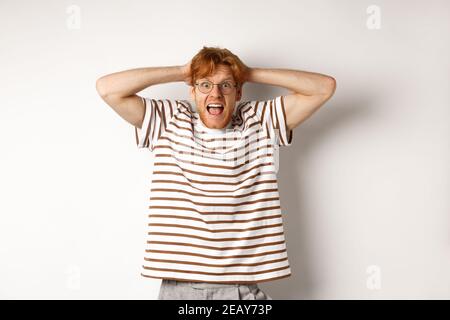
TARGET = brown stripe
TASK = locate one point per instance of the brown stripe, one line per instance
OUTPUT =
(215, 182)
(187, 111)
(277, 123)
(163, 114)
(259, 137)
(263, 114)
(271, 111)
(214, 212)
(157, 108)
(190, 116)
(238, 115)
(171, 234)
(238, 119)
(210, 165)
(215, 257)
(161, 120)
(248, 118)
(260, 120)
(280, 133)
(165, 155)
(228, 136)
(214, 196)
(186, 108)
(189, 122)
(266, 147)
(205, 152)
(240, 110)
(289, 133)
(243, 187)
(146, 127)
(216, 265)
(190, 131)
(254, 124)
(215, 204)
(213, 222)
(154, 109)
(246, 110)
(182, 129)
(216, 248)
(199, 173)
(170, 108)
(268, 131)
(209, 281)
(214, 231)
(256, 110)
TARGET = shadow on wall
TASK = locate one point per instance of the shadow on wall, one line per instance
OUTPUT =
(303, 283)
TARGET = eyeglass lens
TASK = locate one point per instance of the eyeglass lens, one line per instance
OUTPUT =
(206, 86)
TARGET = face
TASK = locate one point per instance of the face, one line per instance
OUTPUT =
(202, 100)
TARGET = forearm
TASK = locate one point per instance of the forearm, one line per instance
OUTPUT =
(129, 82)
(303, 82)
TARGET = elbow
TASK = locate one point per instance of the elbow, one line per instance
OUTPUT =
(329, 86)
(100, 86)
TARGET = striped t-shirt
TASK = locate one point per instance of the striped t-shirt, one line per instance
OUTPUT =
(214, 207)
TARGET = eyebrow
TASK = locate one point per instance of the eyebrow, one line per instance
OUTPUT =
(220, 81)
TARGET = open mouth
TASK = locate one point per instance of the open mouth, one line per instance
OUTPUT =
(215, 109)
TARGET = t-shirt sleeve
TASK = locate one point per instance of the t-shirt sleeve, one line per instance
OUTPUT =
(272, 116)
(158, 114)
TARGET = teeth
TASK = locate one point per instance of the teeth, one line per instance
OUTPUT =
(215, 105)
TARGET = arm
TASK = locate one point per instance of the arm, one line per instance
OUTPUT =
(119, 89)
(310, 90)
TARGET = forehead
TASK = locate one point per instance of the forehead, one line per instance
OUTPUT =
(220, 73)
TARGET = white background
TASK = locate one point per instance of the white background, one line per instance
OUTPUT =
(365, 183)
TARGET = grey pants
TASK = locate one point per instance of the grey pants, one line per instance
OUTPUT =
(184, 290)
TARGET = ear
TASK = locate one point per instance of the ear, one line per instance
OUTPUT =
(192, 93)
(239, 93)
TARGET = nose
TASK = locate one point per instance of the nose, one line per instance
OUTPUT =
(216, 91)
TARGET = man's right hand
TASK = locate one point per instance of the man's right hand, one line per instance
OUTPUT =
(187, 73)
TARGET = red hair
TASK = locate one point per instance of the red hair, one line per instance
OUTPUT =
(207, 59)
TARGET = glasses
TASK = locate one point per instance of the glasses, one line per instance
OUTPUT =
(206, 86)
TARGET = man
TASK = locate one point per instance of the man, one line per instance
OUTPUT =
(215, 223)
